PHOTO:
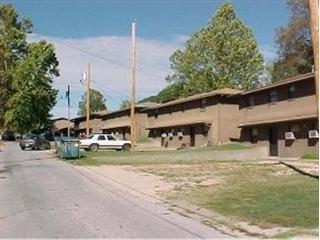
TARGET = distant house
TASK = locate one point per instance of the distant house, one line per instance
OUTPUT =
(282, 117)
(208, 118)
(80, 124)
(60, 125)
(118, 122)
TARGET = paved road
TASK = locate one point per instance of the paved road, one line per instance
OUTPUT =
(41, 197)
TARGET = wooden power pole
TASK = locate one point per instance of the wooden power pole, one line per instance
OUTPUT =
(133, 88)
(88, 100)
(314, 23)
(68, 97)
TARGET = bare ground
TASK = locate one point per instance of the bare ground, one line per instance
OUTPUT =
(141, 181)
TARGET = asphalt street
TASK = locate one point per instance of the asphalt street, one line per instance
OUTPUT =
(42, 197)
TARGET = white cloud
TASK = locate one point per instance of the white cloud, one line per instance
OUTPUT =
(110, 58)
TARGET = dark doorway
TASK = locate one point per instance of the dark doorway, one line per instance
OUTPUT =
(273, 141)
(192, 137)
(124, 133)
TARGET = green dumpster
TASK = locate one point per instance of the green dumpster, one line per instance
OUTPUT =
(69, 148)
(57, 143)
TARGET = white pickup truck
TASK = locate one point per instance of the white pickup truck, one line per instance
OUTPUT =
(104, 141)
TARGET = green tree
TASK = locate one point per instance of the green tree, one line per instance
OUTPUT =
(124, 104)
(167, 94)
(222, 54)
(26, 72)
(33, 95)
(13, 46)
(97, 103)
(295, 55)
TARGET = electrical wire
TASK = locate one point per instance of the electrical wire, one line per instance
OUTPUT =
(106, 59)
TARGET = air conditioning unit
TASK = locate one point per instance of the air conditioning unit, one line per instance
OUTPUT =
(289, 136)
(163, 135)
(313, 134)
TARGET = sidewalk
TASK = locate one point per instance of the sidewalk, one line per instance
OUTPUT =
(309, 167)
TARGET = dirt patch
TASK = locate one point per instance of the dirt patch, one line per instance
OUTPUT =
(142, 184)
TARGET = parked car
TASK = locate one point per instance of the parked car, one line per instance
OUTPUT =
(104, 141)
(34, 141)
(8, 136)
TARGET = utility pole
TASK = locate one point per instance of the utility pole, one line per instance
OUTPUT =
(88, 100)
(133, 88)
(68, 97)
(314, 23)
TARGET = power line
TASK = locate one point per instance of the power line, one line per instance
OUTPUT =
(106, 59)
(113, 90)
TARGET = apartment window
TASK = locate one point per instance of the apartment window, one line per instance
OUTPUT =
(182, 107)
(250, 101)
(273, 96)
(203, 104)
(154, 133)
(253, 135)
(291, 91)
(156, 113)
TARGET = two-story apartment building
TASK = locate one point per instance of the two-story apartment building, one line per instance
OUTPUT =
(208, 118)
(118, 123)
(80, 124)
(283, 117)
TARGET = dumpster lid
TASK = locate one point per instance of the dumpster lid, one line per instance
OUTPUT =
(66, 139)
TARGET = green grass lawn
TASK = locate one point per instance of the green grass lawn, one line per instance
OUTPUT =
(311, 156)
(151, 157)
(287, 201)
(254, 193)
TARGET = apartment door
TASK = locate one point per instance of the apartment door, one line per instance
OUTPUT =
(273, 141)
(192, 136)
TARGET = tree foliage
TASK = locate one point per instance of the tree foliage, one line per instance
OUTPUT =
(26, 72)
(97, 102)
(222, 54)
(33, 96)
(124, 104)
(13, 45)
(295, 55)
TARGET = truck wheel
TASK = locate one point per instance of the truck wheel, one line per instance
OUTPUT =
(126, 147)
(94, 147)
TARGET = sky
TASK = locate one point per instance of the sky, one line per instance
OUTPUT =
(98, 31)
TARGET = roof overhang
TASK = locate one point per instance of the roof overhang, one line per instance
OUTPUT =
(113, 127)
(58, 119)
(280, 120)
(177, 124)
(280, 83)
(225, 92)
